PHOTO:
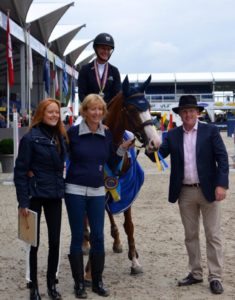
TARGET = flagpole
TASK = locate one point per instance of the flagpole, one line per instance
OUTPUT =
(8, 84)
(8, 100)
(29, 107)
(10, 68)
(27, 66)
(29, 73)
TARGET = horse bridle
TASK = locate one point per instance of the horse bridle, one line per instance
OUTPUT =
(140, 128)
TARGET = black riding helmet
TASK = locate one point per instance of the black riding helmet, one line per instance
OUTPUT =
(103, 39)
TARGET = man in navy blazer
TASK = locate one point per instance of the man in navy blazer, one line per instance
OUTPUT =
(99, 76)
(198, 180)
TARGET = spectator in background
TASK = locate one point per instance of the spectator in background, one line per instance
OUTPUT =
(2, 121)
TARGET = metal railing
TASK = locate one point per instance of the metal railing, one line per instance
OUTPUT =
(156, 98)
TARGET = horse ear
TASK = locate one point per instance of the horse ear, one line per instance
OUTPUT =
(125, 86)
(145, 84)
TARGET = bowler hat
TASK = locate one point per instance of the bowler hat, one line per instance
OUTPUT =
(187, 101)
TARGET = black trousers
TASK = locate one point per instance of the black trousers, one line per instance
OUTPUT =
(52, 211)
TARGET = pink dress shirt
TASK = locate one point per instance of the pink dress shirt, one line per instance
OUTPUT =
(190, 166)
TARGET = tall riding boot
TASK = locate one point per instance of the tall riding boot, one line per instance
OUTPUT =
(51, 289)
(34, 292)
(97, 268)
(77, 268)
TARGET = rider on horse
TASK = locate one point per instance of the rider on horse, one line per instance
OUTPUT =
(99, 76)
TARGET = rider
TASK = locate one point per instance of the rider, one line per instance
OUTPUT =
(99, 76)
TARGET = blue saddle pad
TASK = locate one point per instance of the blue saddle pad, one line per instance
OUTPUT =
(131, 183)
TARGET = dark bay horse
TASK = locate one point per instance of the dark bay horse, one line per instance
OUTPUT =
(129, 110)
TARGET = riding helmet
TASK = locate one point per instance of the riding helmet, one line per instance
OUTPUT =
(103, 39)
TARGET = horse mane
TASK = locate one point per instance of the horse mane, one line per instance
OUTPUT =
(114, 118)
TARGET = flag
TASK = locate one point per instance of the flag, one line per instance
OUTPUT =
(162, 124)
(164, 118)
(65, 82)
(55, 79)
(30, 62)
(73, 86)
(73, 90)
(57, 87)
(46, 74)
(170, 124)
(10, 66)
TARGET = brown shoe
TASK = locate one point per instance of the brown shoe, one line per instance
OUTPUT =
(189, 280)
(216, 287)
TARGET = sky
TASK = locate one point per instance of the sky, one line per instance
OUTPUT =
(161, 36)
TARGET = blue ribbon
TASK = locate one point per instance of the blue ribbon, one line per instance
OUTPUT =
(162, 161)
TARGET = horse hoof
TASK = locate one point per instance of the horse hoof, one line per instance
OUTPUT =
(136, 270)
(117, 248)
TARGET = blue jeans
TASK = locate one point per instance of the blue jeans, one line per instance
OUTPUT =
(78, 207)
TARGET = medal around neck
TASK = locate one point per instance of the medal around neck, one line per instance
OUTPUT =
(101, 94)
(101, 81)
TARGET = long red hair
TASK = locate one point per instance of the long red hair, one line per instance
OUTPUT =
(39, 114)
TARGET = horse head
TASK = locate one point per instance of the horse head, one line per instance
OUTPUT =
(137, 112)
(130, 110)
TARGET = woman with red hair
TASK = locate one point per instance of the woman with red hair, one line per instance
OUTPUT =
(39, 182)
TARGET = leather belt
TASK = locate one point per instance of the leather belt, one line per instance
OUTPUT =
(192, 185)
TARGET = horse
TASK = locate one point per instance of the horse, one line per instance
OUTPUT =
(128, 110)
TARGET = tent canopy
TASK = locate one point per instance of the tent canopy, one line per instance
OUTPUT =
(18, 9)
(85, 57)
(74, 49)
(44, 17)
(61, 36)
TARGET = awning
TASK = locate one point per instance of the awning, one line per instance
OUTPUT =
(43, 18)
(18, 9)
(74, 49)
(85, 57)
(62, 36)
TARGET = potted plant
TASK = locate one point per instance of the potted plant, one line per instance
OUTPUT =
(6, 155)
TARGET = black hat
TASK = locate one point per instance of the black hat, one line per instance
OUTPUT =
(187, 101)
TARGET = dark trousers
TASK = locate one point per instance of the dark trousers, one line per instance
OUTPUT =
(52, 211)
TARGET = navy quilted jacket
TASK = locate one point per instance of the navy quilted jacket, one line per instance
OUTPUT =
(38, 153)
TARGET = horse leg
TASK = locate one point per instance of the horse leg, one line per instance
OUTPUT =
(117, 246)
(86, 238)
(136, 268)
(87, 275)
